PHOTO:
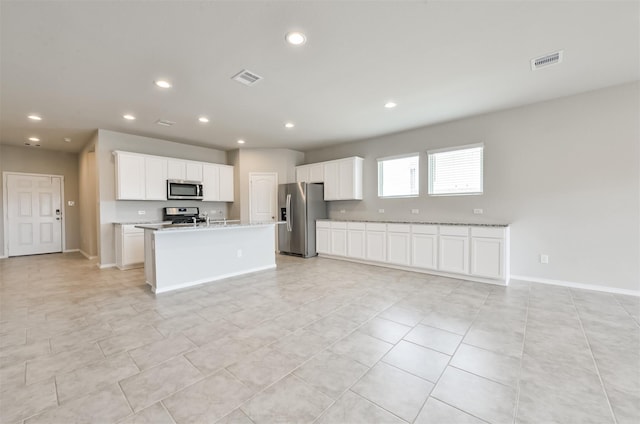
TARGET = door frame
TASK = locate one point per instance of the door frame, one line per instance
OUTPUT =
(5, 210)
(275, 194)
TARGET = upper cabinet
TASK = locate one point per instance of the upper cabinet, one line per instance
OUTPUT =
(342, 178)
(144, 177)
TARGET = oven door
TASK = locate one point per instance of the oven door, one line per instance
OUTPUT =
(180, 189)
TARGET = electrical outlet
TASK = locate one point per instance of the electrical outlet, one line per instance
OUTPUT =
(544, 259)
(343, 211)
(478, 211)
(142, 212)
(71, 203)
(380, 210)
(415, 211)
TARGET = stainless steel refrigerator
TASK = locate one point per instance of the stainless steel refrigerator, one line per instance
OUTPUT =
(299, 206)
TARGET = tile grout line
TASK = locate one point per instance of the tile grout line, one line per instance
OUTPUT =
(516, 406)
(595, 364)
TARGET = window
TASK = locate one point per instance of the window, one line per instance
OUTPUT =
(398, 176)
(456, 170)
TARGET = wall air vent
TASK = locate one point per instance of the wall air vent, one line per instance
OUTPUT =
(546, 60)
(164, 122)
(246, 77)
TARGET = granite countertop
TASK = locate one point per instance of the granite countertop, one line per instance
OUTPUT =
(203, 226)
(470, 224)
(141, 222)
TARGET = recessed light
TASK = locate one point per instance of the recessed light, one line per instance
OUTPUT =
(67, 140)
(390, 105)
(163, 84)
(35, 117)
(34, 139)
(203, 119)
(289, 125)
(295, 38)
(241, 141)
(129, 117)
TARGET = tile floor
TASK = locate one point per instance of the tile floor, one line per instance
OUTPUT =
(316, 340)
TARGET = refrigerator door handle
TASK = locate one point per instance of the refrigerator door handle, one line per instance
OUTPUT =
(289, 212)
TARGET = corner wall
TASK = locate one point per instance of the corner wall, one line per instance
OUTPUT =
(565, 173)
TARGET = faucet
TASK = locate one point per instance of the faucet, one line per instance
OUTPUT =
(195, 220)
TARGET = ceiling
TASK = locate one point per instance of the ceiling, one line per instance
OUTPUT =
(83, 65)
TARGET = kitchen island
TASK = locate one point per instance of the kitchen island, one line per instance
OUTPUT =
(183, 255)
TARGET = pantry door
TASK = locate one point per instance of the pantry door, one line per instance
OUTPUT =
(263, 196)
(34, 214)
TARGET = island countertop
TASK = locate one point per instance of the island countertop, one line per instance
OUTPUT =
(203, 226)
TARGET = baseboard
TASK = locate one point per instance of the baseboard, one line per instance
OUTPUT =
(574, 285)
(70, 250)
(105, 266)
(87, 255)
(209, 280)
(3, 257)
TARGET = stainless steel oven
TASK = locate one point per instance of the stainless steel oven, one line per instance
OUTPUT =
(184, 190)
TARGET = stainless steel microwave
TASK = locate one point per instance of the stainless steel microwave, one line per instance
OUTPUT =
(184, 190)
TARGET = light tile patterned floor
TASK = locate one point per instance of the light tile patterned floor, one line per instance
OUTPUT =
(316, 340)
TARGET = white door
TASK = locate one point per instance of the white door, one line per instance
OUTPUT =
(34, 214)
(263, 194)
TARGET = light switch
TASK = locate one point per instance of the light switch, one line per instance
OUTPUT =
(71, 203)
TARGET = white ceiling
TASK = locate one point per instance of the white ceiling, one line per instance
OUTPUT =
(82, 65)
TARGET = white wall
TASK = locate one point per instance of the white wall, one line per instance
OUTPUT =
(564, 173)
(41, 161)
(112, 210)
(246, 161)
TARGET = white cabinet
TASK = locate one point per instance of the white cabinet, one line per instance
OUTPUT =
(194, 171)
(312, 173)
(454, 249)
(323, 232)
(129, 246)
(424, 246)
(343, 179)
(226, 183)
(376, 242)
(176, 169)
(399, 244)
(356, 241)
(155, 177)
(130, 177)
(339, 238)
(211, 182)
(487, 252)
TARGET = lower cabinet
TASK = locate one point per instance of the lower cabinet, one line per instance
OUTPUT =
(129, 246)
(480, 253)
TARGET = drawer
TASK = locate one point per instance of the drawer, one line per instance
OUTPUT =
(372, 226)
(490, 232)
(424, 229)
(356, 225)
(323, 224)
(454, 230)
(399, 228)
(338, 225)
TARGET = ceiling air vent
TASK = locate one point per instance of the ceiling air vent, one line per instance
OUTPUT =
(246, 77)
(164, 122)
(546, 60)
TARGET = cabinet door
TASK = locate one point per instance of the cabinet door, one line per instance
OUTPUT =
(346, 189)
(211, 182)
(176, 169)
(487, 257)
(155, 170)
(398, 248)
(376, 246)
(322, 240)
(424, 251)
(130, 178)
(194, 171)
(226, 183)
(331, 181)
(302, 174)
(133, 248)
(356, 246)
(316, 173)
(338, 242)
(454, 254)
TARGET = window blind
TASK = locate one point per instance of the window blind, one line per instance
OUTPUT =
(456, 171)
